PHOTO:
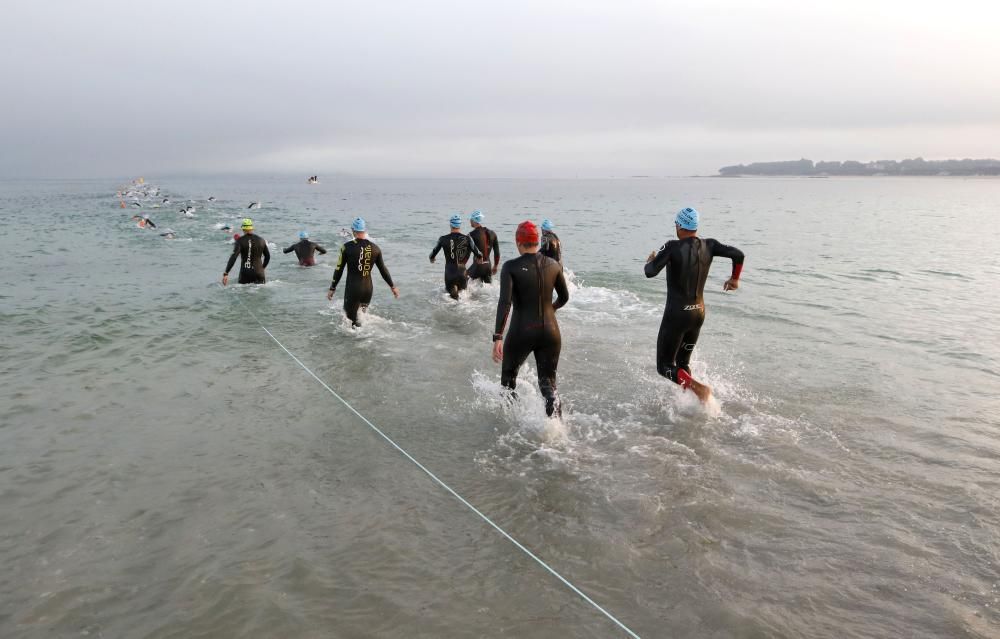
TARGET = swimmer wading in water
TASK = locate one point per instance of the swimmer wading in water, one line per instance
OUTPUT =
(254, 256)
(687, 260)
(526, 284)
(357, 257)
(457, 248)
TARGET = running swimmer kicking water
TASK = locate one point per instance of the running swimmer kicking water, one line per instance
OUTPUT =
(305, 250)
(687, 260)
(253, 253)
(551, 247)
(526, 283)
(485, 240)
(357, 257)
(457, 247)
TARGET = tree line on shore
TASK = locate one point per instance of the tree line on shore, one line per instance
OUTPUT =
(915, 166)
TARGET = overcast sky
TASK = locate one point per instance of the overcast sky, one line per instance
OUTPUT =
(504, 88)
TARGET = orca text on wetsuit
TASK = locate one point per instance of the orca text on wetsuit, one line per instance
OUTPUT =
(526, 283)
(687, 262)
(457, 247)
(358, 257)
(254, 257)
(485, 241)
(305, 250)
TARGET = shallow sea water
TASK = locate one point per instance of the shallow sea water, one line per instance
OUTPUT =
(166, 470)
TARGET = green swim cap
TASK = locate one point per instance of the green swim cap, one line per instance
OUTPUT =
(247, 223)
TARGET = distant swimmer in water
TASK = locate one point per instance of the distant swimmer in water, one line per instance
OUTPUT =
(168, 234)
(485, 241)
(143, 221)
(687, 260)
(357, 257)
(166, 200)
(457, 248)
(526, 283)
(211, 198)
(254, 205)
(136, 204)
(344, 232)
(253, 253)
(551, 247)
(226, 228)
(305, 250)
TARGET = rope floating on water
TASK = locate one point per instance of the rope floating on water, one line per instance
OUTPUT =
(441, 483)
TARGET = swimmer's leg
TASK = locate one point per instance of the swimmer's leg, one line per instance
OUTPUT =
(547, 360)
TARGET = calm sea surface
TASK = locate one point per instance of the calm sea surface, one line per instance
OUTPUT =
(167, 471)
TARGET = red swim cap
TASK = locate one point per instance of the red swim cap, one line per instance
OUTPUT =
(527, 233)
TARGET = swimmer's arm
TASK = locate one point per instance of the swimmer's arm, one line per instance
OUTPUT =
(322, 251)
(437, 248)
(380, 265)
(721, 250)
(339, 270)
(150, 222)
(505, 301)
(475, 249)
(495, 245)
(267, 255)
(657, 261)
(232, 258)
(562, 291)
(289, 249)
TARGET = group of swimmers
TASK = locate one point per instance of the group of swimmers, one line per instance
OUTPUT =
(527, 284)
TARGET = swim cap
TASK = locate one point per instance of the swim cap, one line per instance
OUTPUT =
(455, 221)
(303, 235)
(477, 217)
(527, 233)
(687, 219)
(358, 225)
(547, 225)
(247, 223)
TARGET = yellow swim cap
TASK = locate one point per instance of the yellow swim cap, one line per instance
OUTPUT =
(247, 223)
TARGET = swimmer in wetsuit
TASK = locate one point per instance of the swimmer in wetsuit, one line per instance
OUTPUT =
(526, 283)
(687, 260)
(357, 257)
(305, 250)
(457, 248)
(485, 240)
(253, 253)
(551, 246)
(143, 221)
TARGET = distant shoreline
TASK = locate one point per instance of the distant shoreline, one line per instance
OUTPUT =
(916, 167)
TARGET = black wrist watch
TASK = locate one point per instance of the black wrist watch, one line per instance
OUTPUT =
(497, 337)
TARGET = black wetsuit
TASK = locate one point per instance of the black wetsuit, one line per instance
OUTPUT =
(304, 250)
(357, 257)
(486, 241)
(527, 282)
(457, 249)
(254, 256)
(687, 262)
(551, 247)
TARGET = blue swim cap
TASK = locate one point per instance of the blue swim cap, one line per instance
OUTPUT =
(303, 235)
(358, 225)
(547, 225)
(687, 219)
(477, 216)
(455, 221)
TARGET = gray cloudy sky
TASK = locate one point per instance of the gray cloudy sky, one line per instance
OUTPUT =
(503, 88)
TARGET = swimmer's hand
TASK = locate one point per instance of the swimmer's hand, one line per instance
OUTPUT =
(225, 279)
(432, 260)
(395, 292)
(731, 284)
(329, 294)
(652, 256)
(498, 351)
(494, 269)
